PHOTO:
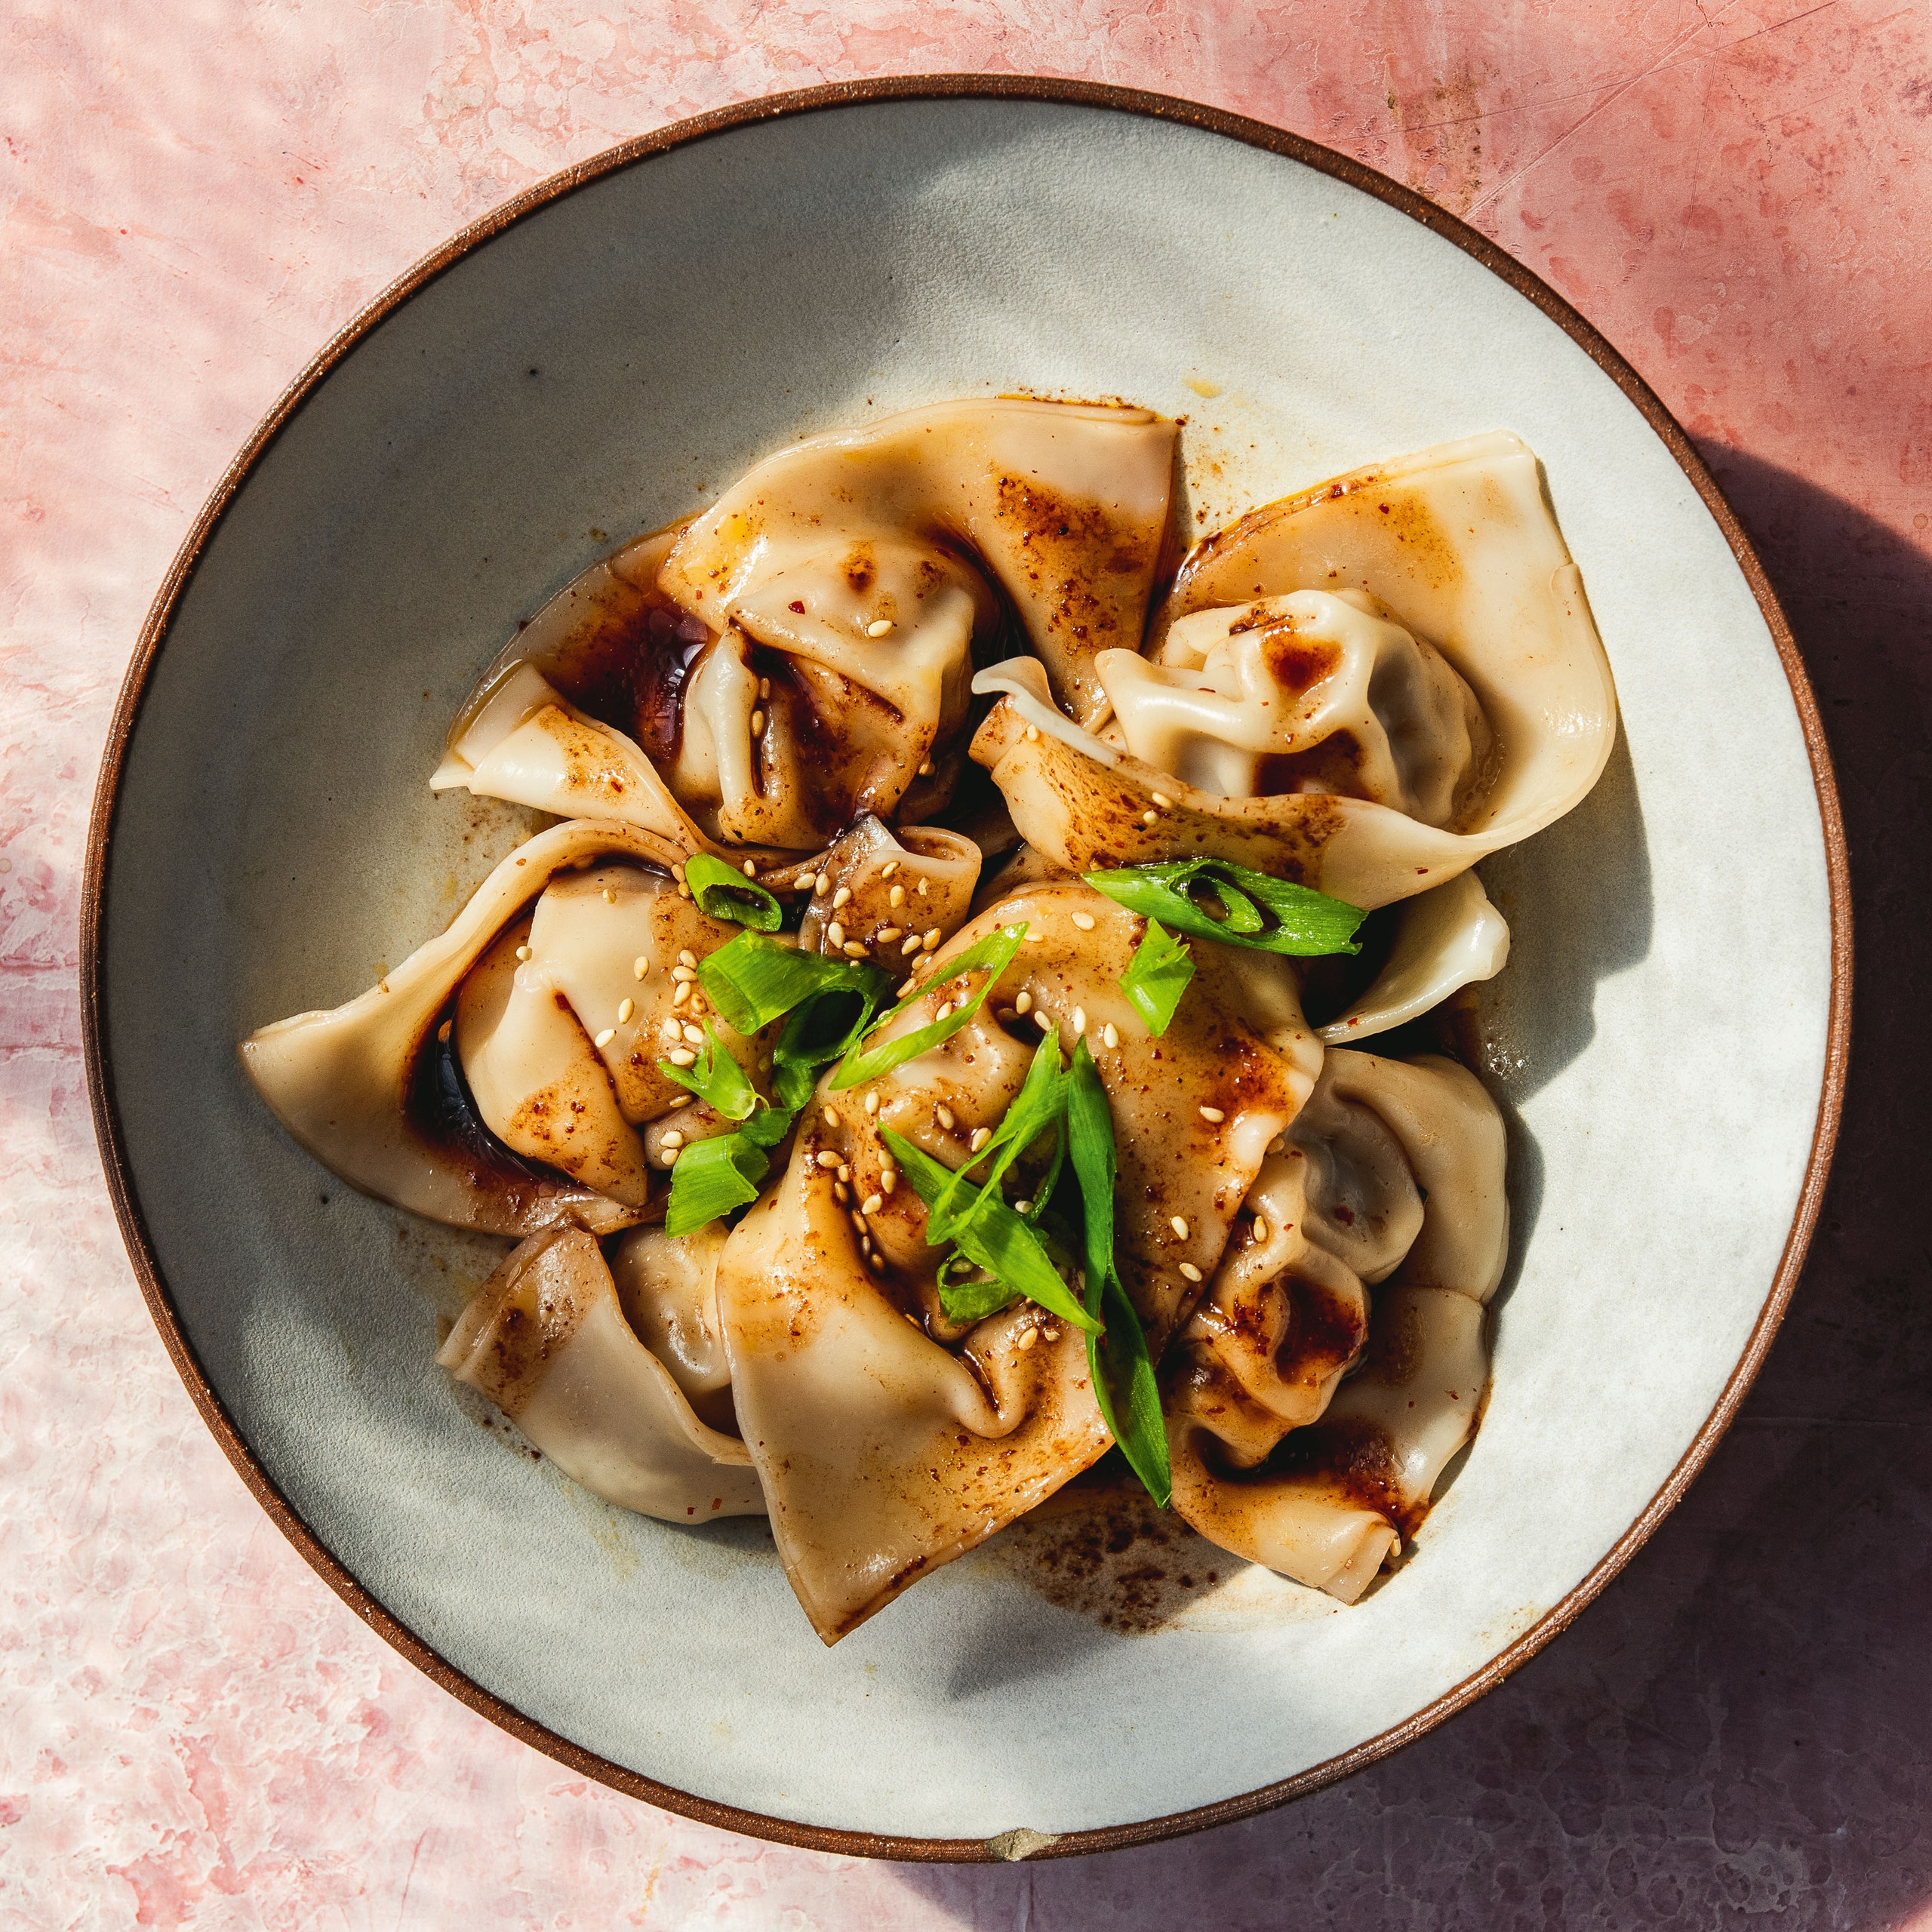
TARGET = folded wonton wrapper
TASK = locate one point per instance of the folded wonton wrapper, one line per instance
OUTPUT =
(932, 871)
(1458, 547)
(1449, 937)
(1392, 1172)
(884, 1455)
(369, 1091)
(547, 1339)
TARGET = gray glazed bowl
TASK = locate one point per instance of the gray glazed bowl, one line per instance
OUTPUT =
(592, 361)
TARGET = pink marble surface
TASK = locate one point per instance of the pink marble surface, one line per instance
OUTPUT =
(193, 1731)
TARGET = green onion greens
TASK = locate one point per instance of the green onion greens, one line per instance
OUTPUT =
(716, 1079)
(1253, 910)
(1157, 976)
(991, 955)
(1118, 1360)
(724, 893)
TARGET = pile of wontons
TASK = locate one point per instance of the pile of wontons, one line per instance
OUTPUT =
(920, 680)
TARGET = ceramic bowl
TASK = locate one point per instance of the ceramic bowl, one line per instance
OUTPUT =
(593, 361)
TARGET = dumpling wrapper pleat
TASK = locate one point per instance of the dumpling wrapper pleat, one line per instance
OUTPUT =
(546, 1338)
(1393, 1173)
(1449, 937)
(339, 1081)
(1063, 506)
(1459, 544)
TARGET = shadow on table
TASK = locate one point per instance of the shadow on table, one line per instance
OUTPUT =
(1742, 1725)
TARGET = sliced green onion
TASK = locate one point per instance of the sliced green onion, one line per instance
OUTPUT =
(712, 1177)
(754, 980)
(1119, 1366)
(1157, 976)
(993, 955)
(1039, 1103)
(825, 1028)
(1306, 923)
(716, 1079)
(992, 1237)
(724, 893)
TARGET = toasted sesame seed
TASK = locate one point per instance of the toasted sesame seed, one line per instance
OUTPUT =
(821, 883)
(890, 866)
(879, 627)
(831, 1116)
(920, 889)
(828, 1159)
(947, 1119)
(751, 869)
(1079, 1020)
(604, 1039)
(896, 897)
(876, 1261)
(757, 723)
(1214, 1115)
(843, 897)
(910, 945)
(1084, 920)
(1029, 1337)
(672, 1141)
(699, 1003)
(906, 986)
(945, 1007)
(841, 1193)
(1111, 1037)
(981, 1135)
(1178, 1226)
(671, 1156)
(678, 870)
(1161, 799)
(523, 952)
(1278, 1144)
(858, 1221)
(624, 1009)
(852, 949)
(1024, 1004)
(926, 768)
(1032, 734)
(835, 933)
(871, 1204)
(683, 890)
(688, 957)
(887, 934)
(669, 1029)
(695, 1035)
(1150, 818)
(1022, 1207)
(872, 1103)
(680, 992)
(610, 897)
(1190, 1271)
(1046, 1021)
(929, 939)
(844, 1172)
(639, 966)
(683, 975)
(764, 688)
(888, 1178)
(1261, 1230)
(681, 1056)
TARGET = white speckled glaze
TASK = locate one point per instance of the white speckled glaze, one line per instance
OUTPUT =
(598, 369)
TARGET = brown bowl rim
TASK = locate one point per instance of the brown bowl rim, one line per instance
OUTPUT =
(153, 635)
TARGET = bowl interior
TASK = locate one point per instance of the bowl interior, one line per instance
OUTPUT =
(599, 368)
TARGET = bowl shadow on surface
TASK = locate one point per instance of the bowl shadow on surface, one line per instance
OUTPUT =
(1741, 1726)
(1578, 898)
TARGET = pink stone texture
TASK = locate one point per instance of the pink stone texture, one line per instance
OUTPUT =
(195, 193)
